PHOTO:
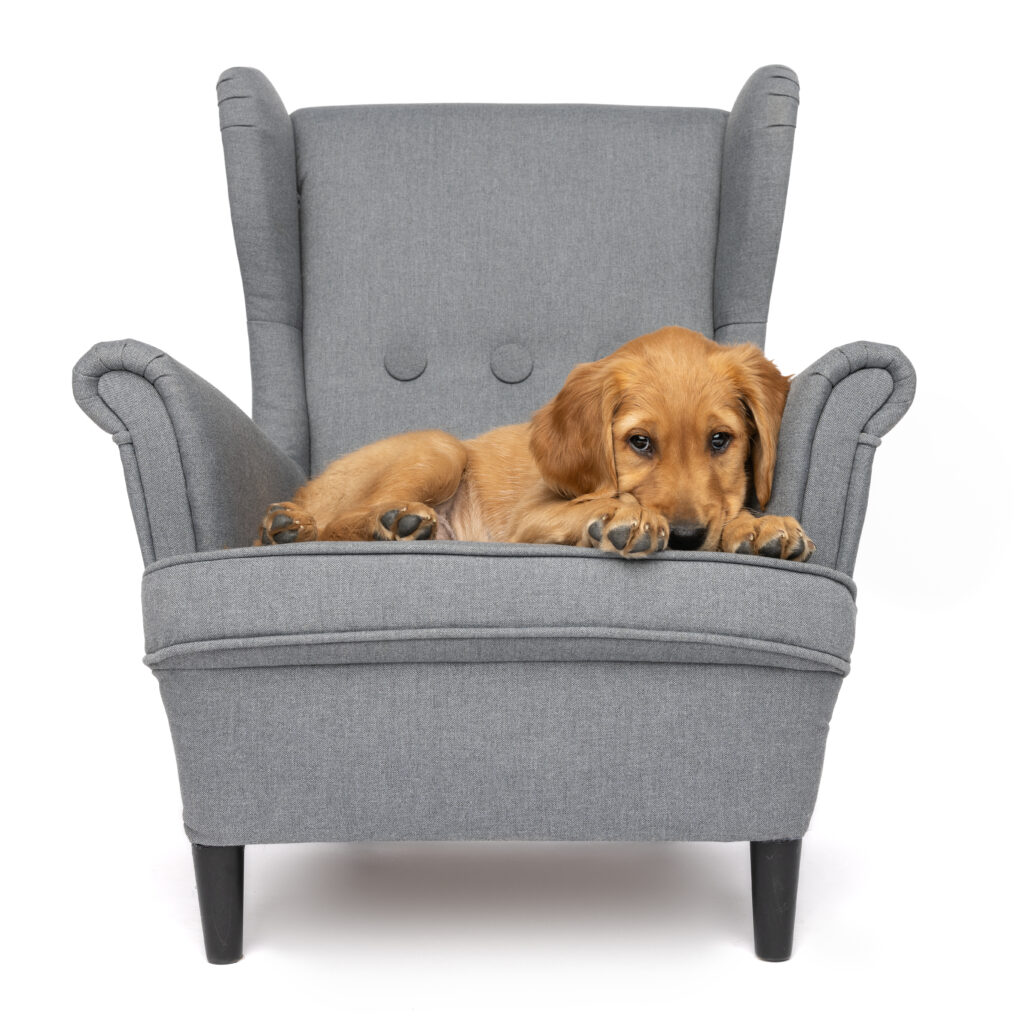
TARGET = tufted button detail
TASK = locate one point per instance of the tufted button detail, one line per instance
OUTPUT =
(511, 363)
(404, 360)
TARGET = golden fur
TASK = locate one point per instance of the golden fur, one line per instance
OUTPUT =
(577, 473)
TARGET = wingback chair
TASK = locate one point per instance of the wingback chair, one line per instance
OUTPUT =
(446, 266)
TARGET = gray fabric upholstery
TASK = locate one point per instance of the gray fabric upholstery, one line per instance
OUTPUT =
(199, 472)
(497, 751)
(259, 155)
(446, 266)
(409, 267)
(454, 232)
(755, 176)
(423, 601)
(836, 415)
(440, 690)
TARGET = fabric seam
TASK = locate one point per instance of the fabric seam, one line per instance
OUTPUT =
(683, 638)
(273, 323)
(147, 543)
(851, 372)
(174, 431)
(767, 565)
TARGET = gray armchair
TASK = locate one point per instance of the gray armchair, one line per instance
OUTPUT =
(445, 266)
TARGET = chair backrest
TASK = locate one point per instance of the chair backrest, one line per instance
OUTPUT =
(446, 265)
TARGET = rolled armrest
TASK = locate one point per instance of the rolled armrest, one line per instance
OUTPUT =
(199, 471)
(836, 415)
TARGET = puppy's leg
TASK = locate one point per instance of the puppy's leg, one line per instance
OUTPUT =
(610, 522)
(396, 519)
(770, 536)
(384, 491)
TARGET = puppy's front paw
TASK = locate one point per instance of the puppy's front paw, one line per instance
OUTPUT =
(285, 523)
(769, 536)
(627, 529)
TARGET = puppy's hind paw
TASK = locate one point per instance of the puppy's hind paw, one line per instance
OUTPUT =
(412, 521)
(286, 523)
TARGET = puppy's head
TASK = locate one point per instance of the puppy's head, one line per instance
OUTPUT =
(687, 426)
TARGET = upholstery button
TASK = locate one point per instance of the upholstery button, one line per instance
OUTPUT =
(511, 363)
(405, 361)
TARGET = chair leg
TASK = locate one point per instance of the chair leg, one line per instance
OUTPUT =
(220, 873)
(774, 871)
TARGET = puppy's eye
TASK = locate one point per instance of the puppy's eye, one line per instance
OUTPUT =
(719, 442)
(641, 443)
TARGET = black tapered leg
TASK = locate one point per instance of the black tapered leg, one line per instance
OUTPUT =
(220, 875)
(774, 872)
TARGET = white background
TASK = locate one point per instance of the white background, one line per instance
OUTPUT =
(903, 226)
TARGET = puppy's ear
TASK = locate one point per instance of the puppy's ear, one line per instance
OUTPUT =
(571, 436)
(763, 390)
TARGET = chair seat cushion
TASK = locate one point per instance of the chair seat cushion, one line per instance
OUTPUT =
(451, 601)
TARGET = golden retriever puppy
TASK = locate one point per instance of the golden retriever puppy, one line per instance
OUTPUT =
(669, 442)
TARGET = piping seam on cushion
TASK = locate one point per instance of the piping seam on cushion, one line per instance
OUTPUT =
(798, 651)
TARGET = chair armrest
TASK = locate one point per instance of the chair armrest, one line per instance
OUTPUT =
(837, 411)
(199, 471)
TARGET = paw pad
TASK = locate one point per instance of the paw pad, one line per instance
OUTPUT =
(284, 524)
(643, 544)
(407, 524)
(618, 535)
(401, 524)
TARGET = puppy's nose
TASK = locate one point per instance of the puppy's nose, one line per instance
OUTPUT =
(686, 536)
